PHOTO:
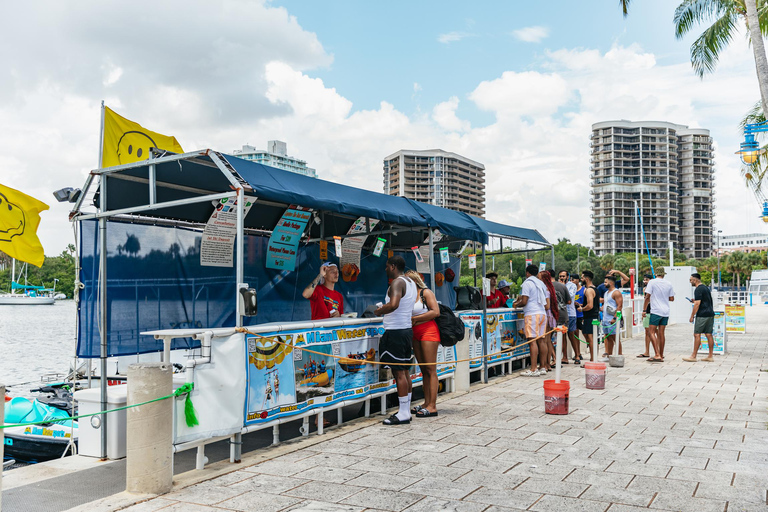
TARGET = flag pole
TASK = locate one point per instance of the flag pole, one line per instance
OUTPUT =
(103, 290)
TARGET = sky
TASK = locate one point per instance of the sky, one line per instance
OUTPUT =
(514, 85)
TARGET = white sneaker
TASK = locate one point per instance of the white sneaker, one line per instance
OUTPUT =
(542, 371)
(529, 373)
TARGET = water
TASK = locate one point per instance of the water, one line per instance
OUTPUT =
(34, 341)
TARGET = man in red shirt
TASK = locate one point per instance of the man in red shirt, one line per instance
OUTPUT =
(323, 299)
(496, 299)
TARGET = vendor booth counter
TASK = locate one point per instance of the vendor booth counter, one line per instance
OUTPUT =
(504, 335)
(275, 373)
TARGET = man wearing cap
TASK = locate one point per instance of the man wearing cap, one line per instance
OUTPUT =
(495, 299)
(323, 299)
(504, 289)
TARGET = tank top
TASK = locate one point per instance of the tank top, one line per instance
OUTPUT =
(401, 317)
(595, 311)
(419, 308)
(609, 302)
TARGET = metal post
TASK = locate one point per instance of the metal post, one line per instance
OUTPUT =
(637, 254)
(237, 444)
(152, 180)
(485, 333)
(103, 311)
(432, 260)
(2, 440)
(719, 275)
(552, 248)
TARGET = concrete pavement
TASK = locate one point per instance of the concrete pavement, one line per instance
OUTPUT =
(671, 436)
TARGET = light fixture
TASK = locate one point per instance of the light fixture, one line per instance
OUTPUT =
(67, 195)
(316, 217)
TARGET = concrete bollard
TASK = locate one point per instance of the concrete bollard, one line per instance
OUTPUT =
(461, 374)
(149, 435)
(2, 440)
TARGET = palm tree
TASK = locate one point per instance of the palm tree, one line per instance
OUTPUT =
(737, 263)
(625, 6)
(607, 262)
(727, 14)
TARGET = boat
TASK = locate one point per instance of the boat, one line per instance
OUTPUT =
(25, 294)
(353, 363)
(319, 380)
(37, 443)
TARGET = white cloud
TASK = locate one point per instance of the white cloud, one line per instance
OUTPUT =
(452, 37)
(240, 72)
(416, 87)
(531, 34)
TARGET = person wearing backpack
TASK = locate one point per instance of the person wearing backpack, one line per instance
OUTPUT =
(426, 340)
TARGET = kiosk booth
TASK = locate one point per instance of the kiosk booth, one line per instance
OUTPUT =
(180, 255)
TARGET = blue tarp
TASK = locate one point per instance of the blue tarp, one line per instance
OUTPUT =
(495, 228)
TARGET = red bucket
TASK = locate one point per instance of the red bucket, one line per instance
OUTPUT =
(594, 373)
(556, 396)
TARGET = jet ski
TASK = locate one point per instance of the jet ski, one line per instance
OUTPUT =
(36, 443)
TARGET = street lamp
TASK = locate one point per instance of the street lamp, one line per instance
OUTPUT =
(719, 278)
(750, 149)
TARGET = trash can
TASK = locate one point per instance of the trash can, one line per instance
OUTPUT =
(89, 402)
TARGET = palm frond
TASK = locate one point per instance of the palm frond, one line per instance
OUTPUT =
(754, 116)
(694, 12)
(705, 51)
(625, 6)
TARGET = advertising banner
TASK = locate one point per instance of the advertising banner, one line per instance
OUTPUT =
(218, 240)
(735, 319)
(505, 331)
(719, 333)
(284, 241)
(291, 372)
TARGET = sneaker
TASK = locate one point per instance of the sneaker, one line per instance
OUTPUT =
(542, 371)
(529, 373)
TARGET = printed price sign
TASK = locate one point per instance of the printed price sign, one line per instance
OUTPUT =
(323, 250)
(337, 241)
(377, 250)
(473, 261)
(542, 266)
(528, 262)
(444, 256)
(417, 253)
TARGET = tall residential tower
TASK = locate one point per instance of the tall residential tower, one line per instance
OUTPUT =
(437, 177)
(669, 170)
(276, 155)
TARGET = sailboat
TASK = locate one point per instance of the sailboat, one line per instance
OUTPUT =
(25, 294)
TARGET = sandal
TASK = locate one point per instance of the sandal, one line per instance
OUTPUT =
(655, 360)
(641, 356)
(416, 409)
(394, 420)
(424, 413)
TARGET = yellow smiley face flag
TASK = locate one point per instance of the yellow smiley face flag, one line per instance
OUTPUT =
(126, 142)
(19, 218)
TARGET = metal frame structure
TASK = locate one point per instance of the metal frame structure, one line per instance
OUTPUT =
(238, 189)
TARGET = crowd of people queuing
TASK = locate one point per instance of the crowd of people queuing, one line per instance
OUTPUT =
(548, 299)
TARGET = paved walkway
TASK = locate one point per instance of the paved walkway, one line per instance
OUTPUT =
(671, 436)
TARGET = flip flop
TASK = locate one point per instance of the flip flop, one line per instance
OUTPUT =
(394, 420)
(424, 413)
(654, 360)
(416, 409)
(642, 356)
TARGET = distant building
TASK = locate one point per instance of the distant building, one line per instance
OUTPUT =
(669, 170)
(437, 177)
(752, 242)
(276, 155)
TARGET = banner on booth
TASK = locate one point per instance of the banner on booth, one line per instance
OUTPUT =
(294, 371)
(735, 319)
(719, 334)
(504, 333)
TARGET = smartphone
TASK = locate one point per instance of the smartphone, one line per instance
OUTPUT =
(689, 300)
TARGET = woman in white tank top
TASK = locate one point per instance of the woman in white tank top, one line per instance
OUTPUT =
(426, 340)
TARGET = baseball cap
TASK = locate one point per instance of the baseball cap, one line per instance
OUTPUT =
(329, 264)
(502, 284)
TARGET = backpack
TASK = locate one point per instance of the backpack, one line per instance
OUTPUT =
(451, 327)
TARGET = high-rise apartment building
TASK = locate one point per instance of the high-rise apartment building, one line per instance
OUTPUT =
(669, 170)
(276, 155)
(437, 177)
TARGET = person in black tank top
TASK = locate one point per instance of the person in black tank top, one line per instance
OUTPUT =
(590, 309)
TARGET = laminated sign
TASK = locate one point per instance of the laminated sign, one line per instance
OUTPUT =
(473, 261)
(218, 241)
(379, 247)
(353, 245)
(284, 241)
(444, 256)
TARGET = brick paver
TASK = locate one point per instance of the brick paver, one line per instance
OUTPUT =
(671, 436)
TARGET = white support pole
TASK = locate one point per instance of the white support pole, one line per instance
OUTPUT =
(200, 458)
(103, 334)
(431, 260)
(2, 440)
(276, 434)
(484, 323)
(152, 181)
(558, 359)
(237, 443)
(594, 345)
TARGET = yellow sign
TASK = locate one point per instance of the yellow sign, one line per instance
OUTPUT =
(735, 319)
(323, 250)
(19, 218)
(125, 141)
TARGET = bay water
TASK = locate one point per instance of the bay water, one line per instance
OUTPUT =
(35, 341)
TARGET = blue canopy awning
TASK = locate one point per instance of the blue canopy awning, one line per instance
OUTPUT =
(497, 229)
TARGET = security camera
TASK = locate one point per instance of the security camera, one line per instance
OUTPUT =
(67, 195)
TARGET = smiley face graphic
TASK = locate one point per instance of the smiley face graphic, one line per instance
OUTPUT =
(12, 220)
(134, 146)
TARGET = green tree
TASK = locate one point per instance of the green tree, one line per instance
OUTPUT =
(738, 263)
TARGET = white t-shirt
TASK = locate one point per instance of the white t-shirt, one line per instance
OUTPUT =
(572, 292)
(536, 293)
(660, 292)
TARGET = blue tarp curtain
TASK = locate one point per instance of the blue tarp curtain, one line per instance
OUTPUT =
(155, 281)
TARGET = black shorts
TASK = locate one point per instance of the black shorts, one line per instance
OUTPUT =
(396, 346)
(580, 323)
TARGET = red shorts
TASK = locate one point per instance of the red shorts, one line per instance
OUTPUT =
(427, 331)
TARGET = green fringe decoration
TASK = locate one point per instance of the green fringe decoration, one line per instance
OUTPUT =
(189, 409)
